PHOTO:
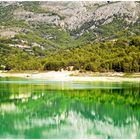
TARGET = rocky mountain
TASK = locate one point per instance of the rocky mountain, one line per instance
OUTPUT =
(58, 24)
(72, 15)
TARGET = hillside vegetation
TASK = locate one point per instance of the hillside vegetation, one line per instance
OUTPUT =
(122, 55)
(70, 35)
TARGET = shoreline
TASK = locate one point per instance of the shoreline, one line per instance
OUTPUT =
(72, 76)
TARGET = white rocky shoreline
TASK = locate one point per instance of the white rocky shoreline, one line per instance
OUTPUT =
(70, 76)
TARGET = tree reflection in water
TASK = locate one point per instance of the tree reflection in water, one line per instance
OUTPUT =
(79, 110)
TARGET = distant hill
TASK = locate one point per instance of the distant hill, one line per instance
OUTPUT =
(86, 35)
(52, 25)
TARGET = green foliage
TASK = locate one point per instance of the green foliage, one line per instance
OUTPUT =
(6, 13)
(61, 37)
(33, 7)
(135, 41)
(16, 23)
(16, 59)
(56, 48)
(121, 55)
(108, 56)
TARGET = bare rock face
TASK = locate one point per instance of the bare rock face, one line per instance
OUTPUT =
(54, 24)
(73, 14)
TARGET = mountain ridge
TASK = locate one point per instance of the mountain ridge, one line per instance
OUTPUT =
(68, 24)
(91, 36)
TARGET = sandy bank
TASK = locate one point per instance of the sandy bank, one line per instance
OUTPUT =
(66, 76)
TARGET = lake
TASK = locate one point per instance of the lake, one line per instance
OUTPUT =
(58, 109)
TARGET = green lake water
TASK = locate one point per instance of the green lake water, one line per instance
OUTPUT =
(58, 109)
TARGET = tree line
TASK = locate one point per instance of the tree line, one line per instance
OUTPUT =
(121, 55)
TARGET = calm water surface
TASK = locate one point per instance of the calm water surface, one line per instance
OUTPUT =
(50, 109)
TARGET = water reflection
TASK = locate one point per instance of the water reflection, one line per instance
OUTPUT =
(41, 111)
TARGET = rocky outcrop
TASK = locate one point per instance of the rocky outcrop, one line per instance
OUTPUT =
(75, 16)
(72, 15)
